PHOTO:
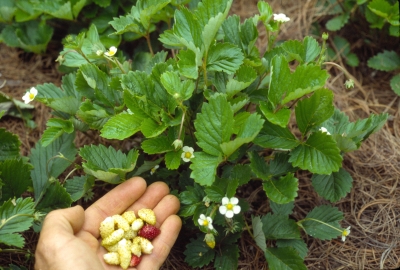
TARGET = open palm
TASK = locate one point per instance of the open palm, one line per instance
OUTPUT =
(70, 237)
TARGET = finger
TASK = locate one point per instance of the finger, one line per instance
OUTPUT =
(169, 205)
(162, 244)
(153, 195)
(114, 202)
(69, 220)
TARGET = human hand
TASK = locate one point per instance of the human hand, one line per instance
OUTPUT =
(70, 237)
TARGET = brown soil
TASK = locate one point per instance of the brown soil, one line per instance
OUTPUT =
(371, 209)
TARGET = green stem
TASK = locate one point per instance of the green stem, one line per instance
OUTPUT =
(348, 75)
(182, 122)
(319, 221)
(147, 37)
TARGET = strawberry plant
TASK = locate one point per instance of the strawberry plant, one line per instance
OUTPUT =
(207, 114)
(382, 15)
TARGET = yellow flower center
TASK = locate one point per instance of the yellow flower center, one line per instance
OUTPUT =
(345, 233)
(31, 96)
(205, 222)
(188, 155)
(229, 206)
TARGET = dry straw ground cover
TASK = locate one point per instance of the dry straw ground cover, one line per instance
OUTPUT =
(372, 209)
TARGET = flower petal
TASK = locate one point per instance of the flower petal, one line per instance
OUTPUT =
(236, 209)
(234, 200)
(225, 200)
(222, 209)
(229, 214)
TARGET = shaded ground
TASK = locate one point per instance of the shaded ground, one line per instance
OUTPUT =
(372, 209)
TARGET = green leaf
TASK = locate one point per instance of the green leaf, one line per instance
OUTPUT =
(258, 233)
(15, 216)
(385, 61)
(305, 80)
(172, 160)
(280, 164)
(157, 145)
(57, 9)
(224, 57)
(259, 166)
(7, 11)
(107, 164)
(274, 136)
(228, 257)
(175, 87)
(151, 128)
(281, 209)
(381, 8)
(15, 175)
(55, 197)
(285, 258)
(211, 14)
(319, 154)
(333, 187)
(92, 114)
(148, 10)
(283, 190)
(248, 131)
(78, 186)
(244, 76)
(280, 79)
(9, 145)
(214, 193)
(322, 221)
(187, 64)
(297, 244)
(214, 124)
(313, 111)
(280, 118)
(395, 84)
(204, 168)
(279, 227)
(55, 128)
(197, 253)
(337, 22)
(46, 166)
(121, 126)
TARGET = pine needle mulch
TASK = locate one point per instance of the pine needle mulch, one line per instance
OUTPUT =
(372, 208)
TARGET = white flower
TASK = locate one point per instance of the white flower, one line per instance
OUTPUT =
(111, 52)
(187, 153)
(324, 130)
(153, 170)
(205, 221)
(30, 95)
(282, 18)
(345, 233)
(229, 207)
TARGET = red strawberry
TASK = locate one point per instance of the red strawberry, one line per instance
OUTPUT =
(135, 260)
(149, 231)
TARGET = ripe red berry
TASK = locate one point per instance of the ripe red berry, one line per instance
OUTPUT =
(135, 260)
(149, 231)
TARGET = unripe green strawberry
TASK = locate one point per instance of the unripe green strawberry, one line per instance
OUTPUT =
(210, 240)
(135, 260)
(113, 238)
(111, 258)
(149, 232)
(148, 216)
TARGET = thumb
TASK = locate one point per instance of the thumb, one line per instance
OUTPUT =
(69, 220)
